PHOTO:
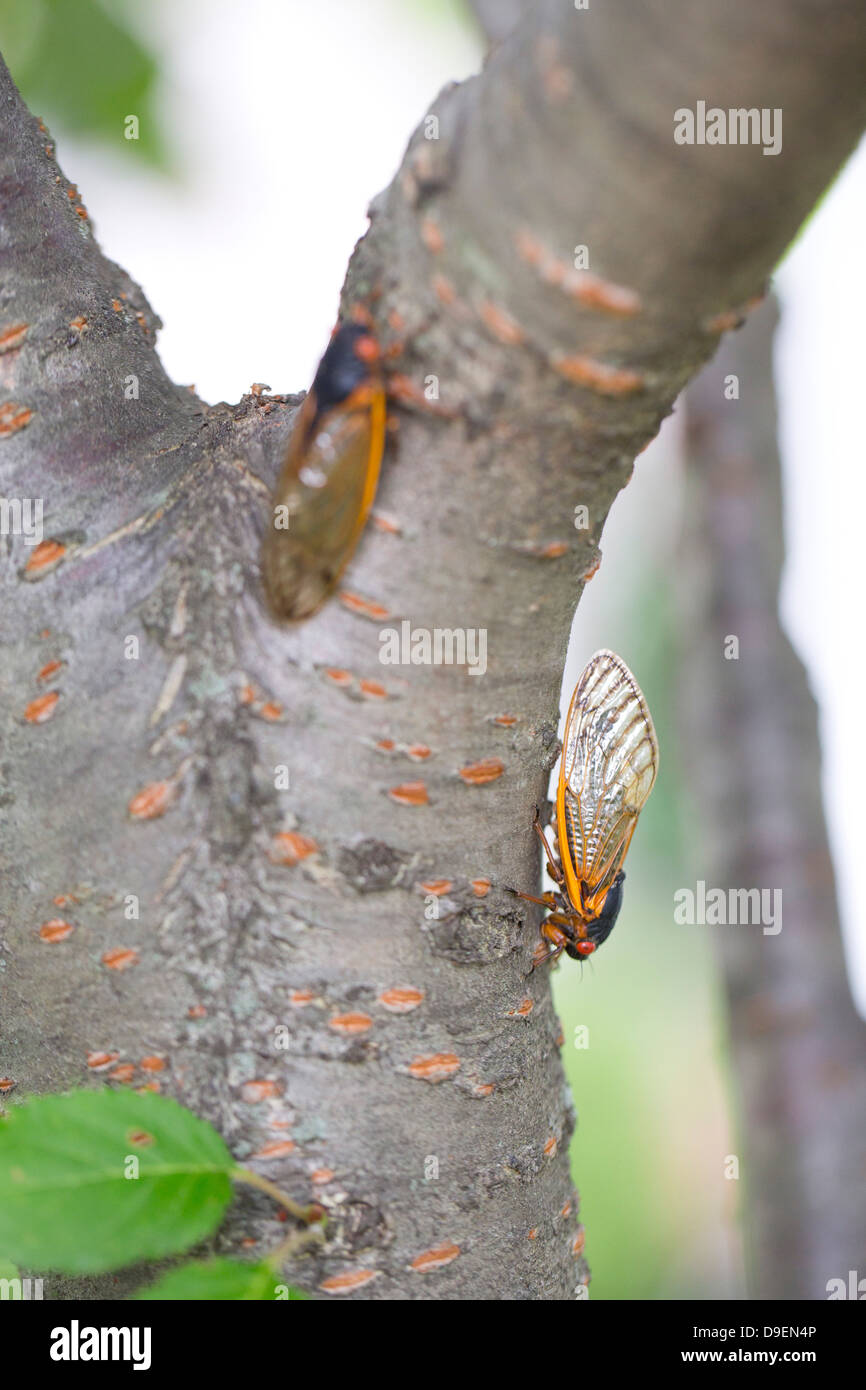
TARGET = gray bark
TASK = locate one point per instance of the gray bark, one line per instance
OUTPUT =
(754, 763)
(498, 17)
(565, 139)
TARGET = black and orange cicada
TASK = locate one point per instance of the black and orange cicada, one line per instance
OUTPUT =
(329, 476)
(610, 757)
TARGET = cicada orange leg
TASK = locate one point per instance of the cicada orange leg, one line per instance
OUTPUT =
(548, 901)
(556, 928)
(555, 870)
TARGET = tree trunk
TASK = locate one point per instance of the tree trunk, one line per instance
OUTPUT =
(755, 768)
(151, 777)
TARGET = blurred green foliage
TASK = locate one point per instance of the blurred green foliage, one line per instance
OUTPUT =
(80, 64)
(453, 13)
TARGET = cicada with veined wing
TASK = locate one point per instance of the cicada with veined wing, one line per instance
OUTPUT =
(610, 757)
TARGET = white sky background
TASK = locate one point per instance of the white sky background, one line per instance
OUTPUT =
(819, 378)
(289, 116)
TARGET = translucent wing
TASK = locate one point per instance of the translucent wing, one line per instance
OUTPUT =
(328, 480)
(327, 484)
(610, 757)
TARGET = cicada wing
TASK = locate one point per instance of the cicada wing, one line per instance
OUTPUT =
(327, 487)
(610, 758)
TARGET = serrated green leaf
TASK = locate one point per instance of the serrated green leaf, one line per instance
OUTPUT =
(68, 1197)
(221, 1280)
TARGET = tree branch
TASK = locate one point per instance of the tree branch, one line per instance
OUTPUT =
(755, 769)
(266, 985)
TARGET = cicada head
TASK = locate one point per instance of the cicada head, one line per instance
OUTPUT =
(600, 928)
(345, 366)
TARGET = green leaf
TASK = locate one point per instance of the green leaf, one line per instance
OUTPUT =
(84, 67)
(221, 1280)
(69, 1199)
(8, 1270)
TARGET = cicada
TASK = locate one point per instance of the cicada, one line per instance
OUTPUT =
(329, 476)
(610, 757)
